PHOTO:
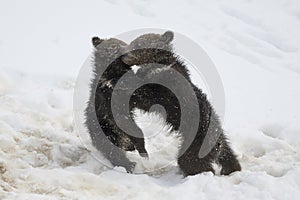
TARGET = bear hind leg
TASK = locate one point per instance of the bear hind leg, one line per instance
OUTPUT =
(195, 165)
(228, 161)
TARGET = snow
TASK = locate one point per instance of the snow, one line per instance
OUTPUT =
(255, 46)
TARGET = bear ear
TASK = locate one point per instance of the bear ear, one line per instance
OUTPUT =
(129, 59)
(168, 36)
(96, 41)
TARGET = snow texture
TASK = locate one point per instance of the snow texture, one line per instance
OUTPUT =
(255, 46)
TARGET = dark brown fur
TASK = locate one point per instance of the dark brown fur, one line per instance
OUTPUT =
(147, 51)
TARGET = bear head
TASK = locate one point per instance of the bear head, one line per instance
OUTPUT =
(149, 48)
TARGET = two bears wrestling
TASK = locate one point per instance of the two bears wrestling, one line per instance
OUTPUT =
(154, 55)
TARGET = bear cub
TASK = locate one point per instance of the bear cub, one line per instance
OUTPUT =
(153, 53)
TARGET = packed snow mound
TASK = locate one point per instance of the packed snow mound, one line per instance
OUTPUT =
(43, 157)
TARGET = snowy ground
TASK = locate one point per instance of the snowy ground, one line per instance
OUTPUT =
(255, 46)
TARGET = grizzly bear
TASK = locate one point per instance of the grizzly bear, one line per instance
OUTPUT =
(153, 54)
